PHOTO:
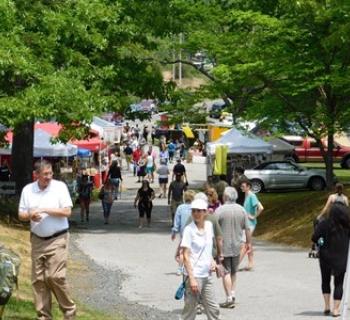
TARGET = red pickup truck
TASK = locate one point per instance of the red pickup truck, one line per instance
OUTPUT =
(306, 150)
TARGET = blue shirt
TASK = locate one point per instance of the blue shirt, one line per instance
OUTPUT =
(171, 147)
(251, 205)
(183, 212)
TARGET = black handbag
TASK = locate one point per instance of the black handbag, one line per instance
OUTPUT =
(101, 194)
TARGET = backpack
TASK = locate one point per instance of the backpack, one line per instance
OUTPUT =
(9, 270)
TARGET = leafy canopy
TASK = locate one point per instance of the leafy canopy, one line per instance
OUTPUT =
(70, 60)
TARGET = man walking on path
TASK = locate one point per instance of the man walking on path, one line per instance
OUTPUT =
(233, 221)
(179, 169)
(46, 203)
(175, 195)
(253, 208)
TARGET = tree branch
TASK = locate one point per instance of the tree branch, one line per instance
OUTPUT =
(190, 63)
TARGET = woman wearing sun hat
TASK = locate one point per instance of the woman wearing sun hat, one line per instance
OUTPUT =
(197, 245)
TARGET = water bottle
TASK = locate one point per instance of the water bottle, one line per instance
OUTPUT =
(320, 242)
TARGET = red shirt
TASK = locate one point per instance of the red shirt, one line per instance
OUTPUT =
(136, 155)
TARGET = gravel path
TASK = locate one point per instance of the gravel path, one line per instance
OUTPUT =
(100, 289)
(136, 271)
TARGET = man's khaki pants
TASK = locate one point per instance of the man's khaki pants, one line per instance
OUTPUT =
(207, 295)
(49, 263)
(173, 206)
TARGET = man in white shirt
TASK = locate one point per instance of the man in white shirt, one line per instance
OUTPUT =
(46, 203)
(197, 245)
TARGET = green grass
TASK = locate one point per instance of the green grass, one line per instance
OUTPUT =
(343, 175)
(20, 306)
(18, 309)
(288, 217)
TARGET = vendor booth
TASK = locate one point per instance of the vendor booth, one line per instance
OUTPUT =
(281, 149)
(107, 130)
(43, 147)
(236, 149)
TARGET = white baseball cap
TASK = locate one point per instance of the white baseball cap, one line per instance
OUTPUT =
(199, 204)
(202, 196)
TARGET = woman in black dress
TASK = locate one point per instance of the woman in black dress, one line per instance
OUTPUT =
(332, 235)
(143, 202)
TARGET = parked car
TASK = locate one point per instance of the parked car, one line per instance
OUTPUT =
(307, 150)
(285, 175)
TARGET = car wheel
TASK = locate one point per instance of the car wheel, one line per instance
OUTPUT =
(317, 184)
(346, 163)
(257, 186)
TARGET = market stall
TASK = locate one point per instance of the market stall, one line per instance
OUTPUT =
(241, 150)
(107, 130)
(281, 149)
(43, 147)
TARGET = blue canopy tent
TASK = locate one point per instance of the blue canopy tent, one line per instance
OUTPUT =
(84, 153)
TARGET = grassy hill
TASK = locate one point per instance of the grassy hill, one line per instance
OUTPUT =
(20, 306)
(288, 217)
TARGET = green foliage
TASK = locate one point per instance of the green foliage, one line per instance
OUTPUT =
(69, 60)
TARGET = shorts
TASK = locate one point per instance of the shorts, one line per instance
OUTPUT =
(145, 209)
(163, 180)
(251, 229)
(84, 201)
(231, 264)
(149, 170)
(128, 158)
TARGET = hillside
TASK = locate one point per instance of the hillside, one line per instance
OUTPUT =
(288, 217)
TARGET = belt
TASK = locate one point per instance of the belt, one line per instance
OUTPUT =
(59, 233)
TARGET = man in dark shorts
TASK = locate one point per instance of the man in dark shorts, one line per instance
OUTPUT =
(233, 221)
(175, 195)
(179, 169)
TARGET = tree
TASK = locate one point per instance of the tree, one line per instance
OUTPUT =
(67, 61)
(287, 61)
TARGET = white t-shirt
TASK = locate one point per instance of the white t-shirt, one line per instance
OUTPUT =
(197, 242)
(149, 161)
(55, 195)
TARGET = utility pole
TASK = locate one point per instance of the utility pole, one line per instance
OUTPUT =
(180, 58)
(174, 65)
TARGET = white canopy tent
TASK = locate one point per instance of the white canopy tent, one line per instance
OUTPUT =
(43, 147)
(107, 130)
(239, 143)
(244, 150)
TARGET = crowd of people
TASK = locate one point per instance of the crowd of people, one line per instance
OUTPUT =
(215, 235)
(137, 155)
(215, 226)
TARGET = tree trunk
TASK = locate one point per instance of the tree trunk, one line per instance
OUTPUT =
(329, 161)
(22, 154)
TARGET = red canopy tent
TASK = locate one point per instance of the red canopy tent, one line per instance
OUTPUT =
(93, 144)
